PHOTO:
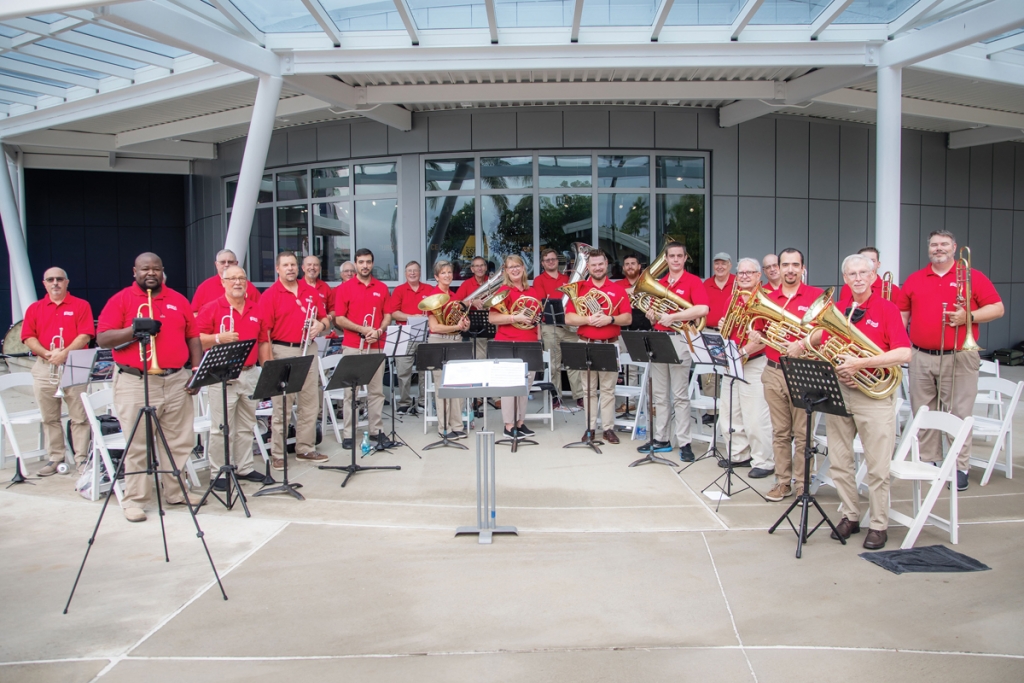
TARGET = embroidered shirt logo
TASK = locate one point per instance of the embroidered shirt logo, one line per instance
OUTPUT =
(172, 307)
(871, 322)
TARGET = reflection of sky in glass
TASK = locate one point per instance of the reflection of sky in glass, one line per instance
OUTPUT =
(376, 178)
(88, 73)
(451, 234)
(703, 12)
(507, 228)
(292, 232)
(798, 12)
(8, 32)
(618, 12)
(130, 39)
(330, 182)
(90, 54)
(449, 13)
(332, 227)
(359, 15)
(564, 171)
(291, 185)
(524, 13)
(506, 173)
(442, 175)
(375, 230)
(874, 11)
(624, 171)
(680, 172)
(279, 16)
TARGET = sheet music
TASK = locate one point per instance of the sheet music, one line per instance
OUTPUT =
(416, 329)
(393, 346)
(78, 367)
(485, 373)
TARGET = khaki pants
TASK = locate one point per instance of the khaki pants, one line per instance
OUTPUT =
(241, 418)
(454, 405)
(927, 388)
(513, 409)
(605, 383)
(673, 380)
(374, 400)
(308, 401)
(789, 427)
(551, 336)
(49, 407)
(481, 348)
(403, 371)
(751, 422)
(875, 421)
(174, 410)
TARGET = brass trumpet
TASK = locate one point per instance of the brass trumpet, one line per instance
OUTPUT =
(154, 366)
(307, 324)
(781, 326)
(230, 326)
(57, 371)
(367, 322)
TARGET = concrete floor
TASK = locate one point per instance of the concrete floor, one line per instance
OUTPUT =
(617, 574)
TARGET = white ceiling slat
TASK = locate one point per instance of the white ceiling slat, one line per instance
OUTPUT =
(18, 66)
(32, 86)
(241, 22)
(827, 16)
(742, 19)
(16, 9)
(117, 49)
(18, 97)
(77, 61)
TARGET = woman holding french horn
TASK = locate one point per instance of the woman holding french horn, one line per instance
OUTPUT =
(447, 320)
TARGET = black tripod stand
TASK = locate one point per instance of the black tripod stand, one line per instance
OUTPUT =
(812, 386)
(223, 363)
(394, 348)
(279, 378)
(650, 347)
(530, 353)
(592, 358)
(143, 329)
(432, 357)
(353, 372)
(19, 476)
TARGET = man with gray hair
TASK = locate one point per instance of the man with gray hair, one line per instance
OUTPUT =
(212, 289)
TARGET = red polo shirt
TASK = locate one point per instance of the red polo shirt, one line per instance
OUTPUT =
(688, 286)
(468, 287)
(283, 314)
(45, 320)
(407, 300)
(924, 292)
(169, 307)
(247, 323)
(767, 286)
(359, 303)
(882, 322)
(738, 332)
(876, 288)
(718, 298)
(326, 294)
(627, 285)
(798, 305)
(546, 287)
(510, 332)
(620, 304)
(213, 288)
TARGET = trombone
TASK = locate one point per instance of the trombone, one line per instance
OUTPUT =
(57, 371)
(963, 300)
(887, 285)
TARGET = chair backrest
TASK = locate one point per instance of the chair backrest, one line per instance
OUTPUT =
(1003, 386)
(989, 367)
(327, 366)
(932, 419)
(14, 380)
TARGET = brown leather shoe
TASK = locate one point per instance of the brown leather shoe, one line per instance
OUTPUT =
(610, 436)
(845, 528)
(277, 463)
(312, 457)
(876, 539)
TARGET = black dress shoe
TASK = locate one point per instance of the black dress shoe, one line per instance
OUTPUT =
(708, 419)
(221, 484)
(686, 453)
(736, 463)
(512, 433)
(760, 473)
(346, 444)
(962, 482)
(525, 431)
(845, 529)
(876, 539)
(253, 476)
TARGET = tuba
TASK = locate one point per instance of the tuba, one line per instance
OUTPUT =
(650, 295)
(781, 326)
(846, 339)
(487, 289)
(579, 266)
(154, 366)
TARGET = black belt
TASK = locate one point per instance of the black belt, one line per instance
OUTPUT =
(293, 345)
(135, 372)
(774, 364)
(613, 340)
(933, 352)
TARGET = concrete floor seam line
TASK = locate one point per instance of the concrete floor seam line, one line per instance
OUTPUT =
(62, 660)
(700, 498)
(887, 650)
(728, 607)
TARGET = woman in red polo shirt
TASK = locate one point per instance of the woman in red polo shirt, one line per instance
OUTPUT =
(513, 412)
(446, 334)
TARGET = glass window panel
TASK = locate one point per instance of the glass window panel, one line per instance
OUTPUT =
(8, 32)
(800, 12)
(507, 228)
(680, 172)
(451, 231)
(88, 73)
(874, 11)
(375, 230)
(624, 226)
(448, 175)
(564, 171)
(332, 237)
(266, 193)
(624, 171)
(130, 39)
(564, 219)
(506, 173)
(449, 13)
(291, 185)
(89, 53)
(48, 18)
(330, 182)
(356, 15)
(279, 16)
(376, 178)
(682, 217)
(34, 78)
(703, 12)
(261, 247)
(618, 12)
(525, 13)
(292, 230)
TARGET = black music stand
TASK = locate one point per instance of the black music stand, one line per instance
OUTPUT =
(530, 353)
(708, 348)
(650, 347)
(221, 364)
(279, 378)
(590, 357)
(812, 386)
(431, 357)
(480, 326)
(553, 313)
(353, 372)
(395, 346)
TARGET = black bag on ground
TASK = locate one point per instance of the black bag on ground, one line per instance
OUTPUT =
(1009, 356)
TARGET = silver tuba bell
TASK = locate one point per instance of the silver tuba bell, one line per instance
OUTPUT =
(579, 266)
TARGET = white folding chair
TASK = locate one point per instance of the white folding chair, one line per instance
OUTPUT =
(201, 424)
(8, 420)
(1000, 429)
(538, 387)
(907, 464)
(327, 366)
(95, 404)
(823, 464)
(700, 404)
(637, 395)
(990, 400)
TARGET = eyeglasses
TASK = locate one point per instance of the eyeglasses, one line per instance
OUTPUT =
(548, 259)
(479, 265)
(237, 278)
(747, 272)
(55, 279)
(227, 263)
(860, 275)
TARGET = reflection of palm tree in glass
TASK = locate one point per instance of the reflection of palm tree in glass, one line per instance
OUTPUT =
(437, 235)
(684, 221)
(514, 231)
(637, 223)
(558, 212)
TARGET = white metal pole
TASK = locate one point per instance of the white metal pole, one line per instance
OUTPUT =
(887, 168)
(254, 160)
(17, 252)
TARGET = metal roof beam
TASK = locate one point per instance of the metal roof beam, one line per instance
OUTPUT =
(860, 99)
(68, 162)
(19, 98)
(986, 135)
(32, 86)
(14, 9)
(241, 22)
(117, 49)
(320, 14)
(660, 18)
(18, 66)
(913, 13)
(98, 142)
(410, 25)
(964, 64)
(747, 13)
(1003, 44)
(492, 21)
(78, 61)
(827, 16)
(338, 94)
(577, 18)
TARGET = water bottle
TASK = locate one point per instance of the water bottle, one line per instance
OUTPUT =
(365, 446)
(641, 433)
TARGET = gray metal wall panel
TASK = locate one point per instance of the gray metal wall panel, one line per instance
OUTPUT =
(1016, 313)
(958, 171)
(450, 132)
(1018, 241)
(853, 163)
(853, 231)
(933, 169)
(823, 242)
(333, 142)
(790, 224)
(1001, 260)
(585, 128)
(910, 167)
(723, 143)
(1018, 178)
(791, 157)
(410, 141)
(539, 129)
(910, 241)
(932, 218)
(302, 146)
(675, 128)
(724, 225)
(957, 222)
(757, 226)
(369, 139)
(998, 331)
(410, 238)
(872, 238)
(277, 155)
(981, 177)
(1002, 175)
(980, 236)
(872, 150)
(230, 154)
(824, 161)
(494, 130)
(631, 129)
(757, 158)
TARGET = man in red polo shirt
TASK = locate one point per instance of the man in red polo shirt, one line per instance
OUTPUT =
(788, 423)
(173, 348)
(770, 264)
(213, 288)
(602, 328)
(224, 321)
(311, 269)
(719, 289)
(282, 312)
(631, 273)
(871, 254)
(873, 419)
(64, 323)
(478, 266)
(938, 326)
(552, 336)
(360, 308)
(403, 306)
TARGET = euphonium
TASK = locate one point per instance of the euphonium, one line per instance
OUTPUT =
(594, 302)
(887, 285)
(963, 299)
(650, 295)
(734, 318)
(845, 339)
(154, 366)
(781, 326)
(579, 266)
(443, 308)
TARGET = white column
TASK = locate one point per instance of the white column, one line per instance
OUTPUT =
(254, 160)
(887, 168)
(21, 270)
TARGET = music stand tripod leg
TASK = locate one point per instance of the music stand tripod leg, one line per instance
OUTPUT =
(227, 470)
(285, 486)
(589, 441)
(354, 467)
(19, 476)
